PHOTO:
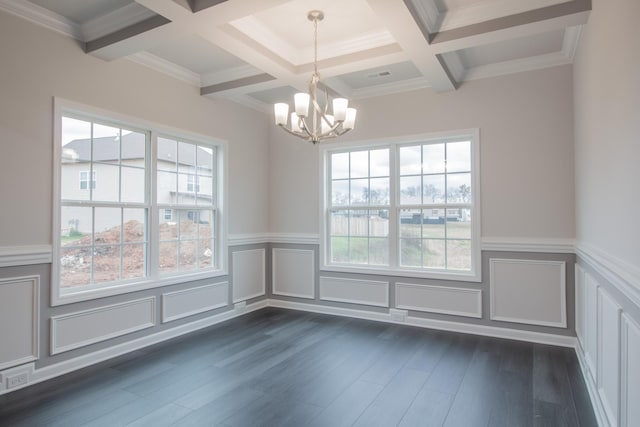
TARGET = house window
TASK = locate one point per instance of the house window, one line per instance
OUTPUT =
(138, 229)
(409, 206)
(84, 180)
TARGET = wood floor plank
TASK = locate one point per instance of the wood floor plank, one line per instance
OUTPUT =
(348, 406)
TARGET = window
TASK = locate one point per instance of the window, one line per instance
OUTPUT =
(409, 206)
(154, 220)
(84, 180)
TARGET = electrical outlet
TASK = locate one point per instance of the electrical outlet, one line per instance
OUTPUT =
(17, 380)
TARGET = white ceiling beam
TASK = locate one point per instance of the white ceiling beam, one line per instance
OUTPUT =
(400, 22)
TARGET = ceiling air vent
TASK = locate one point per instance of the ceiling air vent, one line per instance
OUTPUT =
(379, 74)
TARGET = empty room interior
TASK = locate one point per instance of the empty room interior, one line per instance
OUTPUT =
(319, 213)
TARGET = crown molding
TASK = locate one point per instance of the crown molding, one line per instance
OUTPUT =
(570, 42)
(166, 67)
(428, 14)
(43, 17)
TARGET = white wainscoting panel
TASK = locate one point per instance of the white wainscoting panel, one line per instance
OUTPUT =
(19, 314)
(608, 378)
(439, 299)
(591, 322)
(580, 305)
(367, 292)
(187, 302)
(74, 330)
(293, 272)
(249, 274)
(528, 291)
(630, 373)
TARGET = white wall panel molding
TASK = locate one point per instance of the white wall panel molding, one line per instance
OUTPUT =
(19, 320)
(630, 373)
(293, 272)
(356, 291)
(624, 276)
(591, 323)
(248, 274)
(70, 365)
(82, 328)
(25, 255)
(528, 291)
(443, 325)
(439, 299)
(608, 377)
(187, 302)
(248, 239)
(528, 245)
(580, 304)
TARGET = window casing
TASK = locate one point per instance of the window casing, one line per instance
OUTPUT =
(408, 207)
(133, 231)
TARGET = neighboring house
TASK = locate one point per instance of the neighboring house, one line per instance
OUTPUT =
(94, 171)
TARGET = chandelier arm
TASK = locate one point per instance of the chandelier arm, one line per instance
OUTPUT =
(292, 132)
(306, 129)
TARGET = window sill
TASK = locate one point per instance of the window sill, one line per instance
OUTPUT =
(93, 293)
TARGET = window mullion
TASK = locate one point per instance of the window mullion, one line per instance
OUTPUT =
(394, 212)
(153, 214)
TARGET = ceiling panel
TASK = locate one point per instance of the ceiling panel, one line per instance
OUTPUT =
(271, 96)
(392, 73)
(82, 11)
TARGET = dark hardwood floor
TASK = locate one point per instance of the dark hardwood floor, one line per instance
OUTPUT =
(286, 368)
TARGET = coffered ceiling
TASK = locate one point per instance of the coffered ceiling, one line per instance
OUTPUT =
(257, 52)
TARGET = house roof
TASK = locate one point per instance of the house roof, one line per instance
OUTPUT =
(107, 149)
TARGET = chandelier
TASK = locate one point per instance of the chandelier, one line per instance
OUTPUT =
(318, 125)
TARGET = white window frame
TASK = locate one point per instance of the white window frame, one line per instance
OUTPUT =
(154, 279)
(394, 269)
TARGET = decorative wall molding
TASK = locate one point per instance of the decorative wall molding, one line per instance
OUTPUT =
(187, 302)
(439, 299)
(443, 325)
(624, 276)
(608, 365)
(592, 388)
(27, 327)
(70, 365)
(295, 238)
(520, 282)
(355, 291)
(630, 372)
(505, 244)
(248, 239)
(82, 328)
(293, 272)
(166, 67)
(25, 255)
(249, 274)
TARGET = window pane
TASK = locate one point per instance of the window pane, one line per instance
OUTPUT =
(168, 229)
(186, 189)
(459, 156)
(108, 189)
(107, 226)
(359, 164)
(379, 251)
(186, 157)
(206, 228)
(339, 223)
(433, 158)
(459, 254)
(106, 144)
(459, 224)
(410, 160)
(340, 165)
(359, 250)
(410, 189)
(379, 162)
(433, 253)
(205, 160)
(76, 141)
(76, 225)
(433, 227)
(433, 189)
(133, 259)
(133, 148)
(167, 154)
(358, 223)
(205, 253)
(167, 187)
(188, 225)
(74, 180)
(339, 249)
(379, 223)
(340, 193)
(132, 186)
(75, 266)
(134, 221)
(459, 188)
(410, 253)
(168, 257)
(106, 263)
(379, 191)
(410, 220)
(359, 191)
(205, 191)
(188, 258)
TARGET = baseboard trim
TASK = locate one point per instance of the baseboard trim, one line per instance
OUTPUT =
(70, 365)
(443, 325)
(592, 388)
